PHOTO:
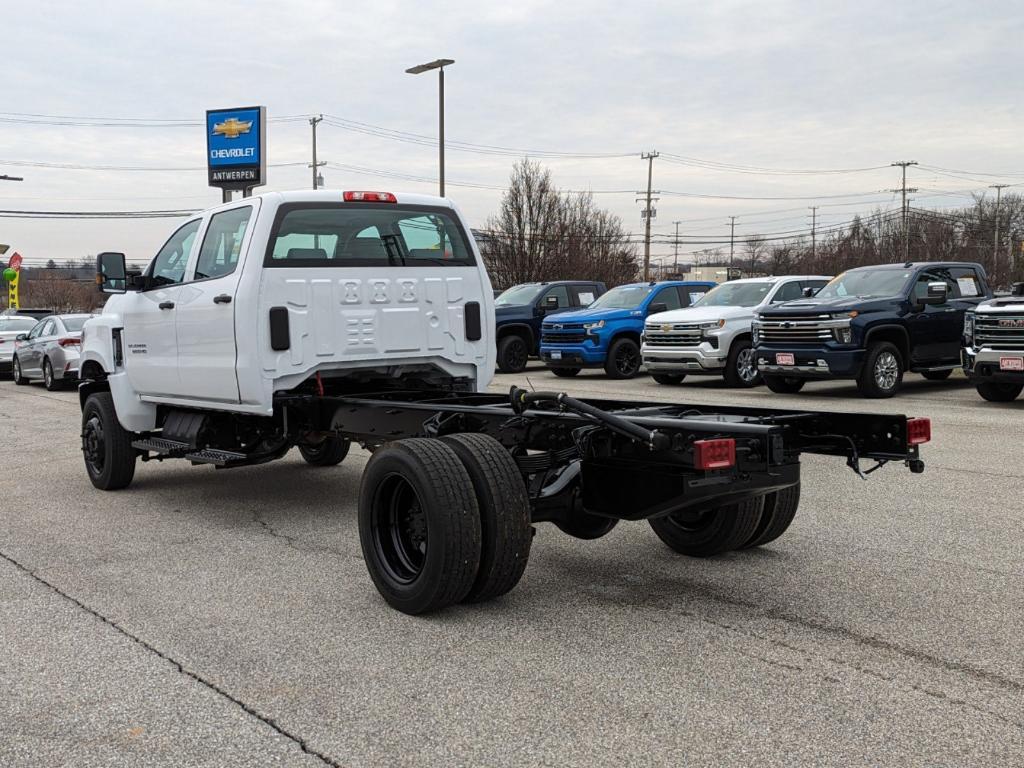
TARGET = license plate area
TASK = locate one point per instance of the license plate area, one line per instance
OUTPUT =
(1011, 363)
(784, 358)
(556, 354)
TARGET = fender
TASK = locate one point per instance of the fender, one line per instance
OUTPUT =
(900, 331)
(505, 328)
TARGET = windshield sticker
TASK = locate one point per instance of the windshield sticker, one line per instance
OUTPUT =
(968, 286)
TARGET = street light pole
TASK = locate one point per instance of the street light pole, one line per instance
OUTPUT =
(439, 65)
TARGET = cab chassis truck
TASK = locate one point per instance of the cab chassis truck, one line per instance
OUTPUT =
(457, 477)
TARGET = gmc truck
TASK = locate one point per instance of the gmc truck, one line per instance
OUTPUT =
(871, 324)
(993, 353)
(317, 319)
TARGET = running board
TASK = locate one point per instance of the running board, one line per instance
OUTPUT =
(162, 447)
(175, 449)
(216, 457)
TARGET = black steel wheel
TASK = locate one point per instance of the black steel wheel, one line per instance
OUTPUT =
(779, 510)
(566, 373)
(669, 379)
(998, 391)
(623, 359)
(710, 531)
(937, 375)
(328, 452)
(583, 525)
(106, 445)
(785, 385)
(419, 525)
(505, 528)
(16, 374)
(513, 354)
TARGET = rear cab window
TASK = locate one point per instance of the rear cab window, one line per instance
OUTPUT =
(367, 235)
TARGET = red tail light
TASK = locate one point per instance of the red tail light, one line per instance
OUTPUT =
(919, 431)
(714, 454)
(370, 197)
(70, 342)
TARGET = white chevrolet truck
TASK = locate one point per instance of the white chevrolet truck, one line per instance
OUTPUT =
(713, 337)
(993, 349)
(311, 320)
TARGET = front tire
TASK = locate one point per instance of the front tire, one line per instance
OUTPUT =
(330, 452)
(566, 373)
(883, 371)
(783, 385)
(741, 367)
(623, 360)
(419, 525)
(999, 392)
(669, 379)
(16, 374)
(106, 445)
(708, 532)
(513, 354)
(505, 529)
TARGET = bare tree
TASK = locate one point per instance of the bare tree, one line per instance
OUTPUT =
(757, 247)
(55, 291)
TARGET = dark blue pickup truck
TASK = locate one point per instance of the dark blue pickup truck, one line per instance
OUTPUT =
(871, 324)
(519, 312)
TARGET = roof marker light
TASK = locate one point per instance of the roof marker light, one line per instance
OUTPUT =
(369, 197)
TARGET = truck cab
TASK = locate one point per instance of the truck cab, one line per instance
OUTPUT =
(713, 337)
(520, 311)
(607, 334)
(993, 351)
(872, 325)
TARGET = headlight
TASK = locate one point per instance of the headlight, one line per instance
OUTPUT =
(593, 326)
(844, 335)
(844, 315)
(969, 325)
(755, 333)
(712, 325)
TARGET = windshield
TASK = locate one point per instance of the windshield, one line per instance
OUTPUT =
(623, 297)
(518, 294)
(735, 295)
(366, 235)
(74, 324)
(867, 284)
(17, 323)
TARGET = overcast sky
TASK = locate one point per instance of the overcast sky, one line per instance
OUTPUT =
(789, 85)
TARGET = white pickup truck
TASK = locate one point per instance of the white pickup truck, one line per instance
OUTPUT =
(714, 335)
(993, 348)
(311, 320)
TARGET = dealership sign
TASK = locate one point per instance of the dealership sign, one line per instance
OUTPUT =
(236, 147)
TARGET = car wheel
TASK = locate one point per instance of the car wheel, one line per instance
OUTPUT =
(937, 375)
(707, 532)
(883, 371)
(49, 380)
(741, 367)
(999, 392)
(512, 354)
(566, 373)
(784, 385)
(779, 510)
(16, 373)
(106, 445)
(623, 359)
(329, 452)
(669, 379)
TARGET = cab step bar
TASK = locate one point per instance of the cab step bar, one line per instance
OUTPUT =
(175, 449)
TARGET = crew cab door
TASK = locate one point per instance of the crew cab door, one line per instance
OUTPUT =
(149, 337)
(935, 329)
(205, 308)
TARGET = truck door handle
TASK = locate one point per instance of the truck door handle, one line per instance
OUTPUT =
(166, 305)
(222, 299)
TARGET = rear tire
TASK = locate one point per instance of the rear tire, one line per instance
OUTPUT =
(49, 380)
(779, 510)
(882, 373)
(419, 525)
(741, 367)
(623, 360)
(16, 373)
(505, 529)
(585, 526)
(566, 373)
(669, 379)
(703, 533)
(999, 392)
(937, 375)
(784, 385)
(106, 445)
(513, 354)
(328, 453)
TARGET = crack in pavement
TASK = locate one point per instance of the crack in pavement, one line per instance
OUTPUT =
(209, 684)
(292, 541)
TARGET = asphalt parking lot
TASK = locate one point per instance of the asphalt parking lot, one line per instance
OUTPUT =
(225, 618)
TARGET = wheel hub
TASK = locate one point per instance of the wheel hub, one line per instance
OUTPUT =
(746, 366)
(886, 370)
(92, 443)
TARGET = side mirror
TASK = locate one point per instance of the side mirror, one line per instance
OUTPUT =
(1017, 290)
(21, 337)
(936, 294)
(657, 307)
(111, 273)
(808, 292)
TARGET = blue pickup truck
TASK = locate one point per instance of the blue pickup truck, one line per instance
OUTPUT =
(607, 333)
(872, 325)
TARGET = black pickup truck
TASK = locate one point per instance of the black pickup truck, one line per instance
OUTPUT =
(871, 324)
(519, 312)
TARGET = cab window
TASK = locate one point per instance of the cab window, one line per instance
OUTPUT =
(787, 292)
(921, 286)
(561, 295)
(968, 283)
(667, 296)
(49, 328)
(169, 265)
(222, 243)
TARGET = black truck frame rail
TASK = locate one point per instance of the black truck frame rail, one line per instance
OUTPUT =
(619, 460)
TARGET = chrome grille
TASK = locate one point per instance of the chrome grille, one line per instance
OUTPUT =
(797, 328)
(672, 335)
(999, 331)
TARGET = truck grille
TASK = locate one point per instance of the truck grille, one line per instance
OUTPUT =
(796, 328)
(676, 335)
(565, 337)
(999, 331)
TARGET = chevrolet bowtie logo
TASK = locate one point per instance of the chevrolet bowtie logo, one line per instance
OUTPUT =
(666, 328)
(232, 128)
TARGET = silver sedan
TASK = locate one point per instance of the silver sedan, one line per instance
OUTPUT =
(50, 351)
(11, 327)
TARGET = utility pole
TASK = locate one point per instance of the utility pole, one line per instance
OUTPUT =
(995, 242)
(732, 238)
(675, 259)
(315, 121)
(814, 228)
(903, 191)
(649, 157)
